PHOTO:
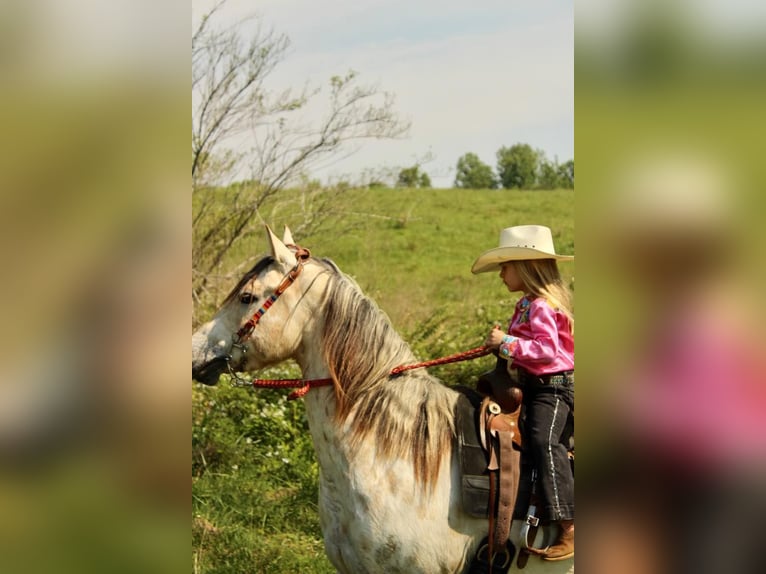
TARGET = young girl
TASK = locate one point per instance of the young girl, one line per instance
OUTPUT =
(539, 346)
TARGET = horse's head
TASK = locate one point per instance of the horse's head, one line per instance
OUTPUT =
(278, 332)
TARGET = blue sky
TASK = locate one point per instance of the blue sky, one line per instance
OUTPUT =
(471, 77)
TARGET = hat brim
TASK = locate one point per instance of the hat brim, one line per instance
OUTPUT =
(492, 260)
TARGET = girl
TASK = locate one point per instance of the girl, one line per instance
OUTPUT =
(539, 346)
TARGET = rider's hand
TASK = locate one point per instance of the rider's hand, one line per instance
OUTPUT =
(494, 338)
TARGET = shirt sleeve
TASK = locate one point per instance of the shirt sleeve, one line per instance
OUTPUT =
(542, 346)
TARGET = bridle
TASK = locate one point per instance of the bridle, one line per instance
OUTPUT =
(237, 339)
(304, 385)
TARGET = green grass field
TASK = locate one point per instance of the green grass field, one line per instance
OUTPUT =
(254, 476)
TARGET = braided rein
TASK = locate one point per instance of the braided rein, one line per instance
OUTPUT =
(303, 386)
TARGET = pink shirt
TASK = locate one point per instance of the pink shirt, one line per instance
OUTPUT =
(541, 338)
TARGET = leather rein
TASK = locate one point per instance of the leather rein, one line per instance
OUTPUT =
(305, 385)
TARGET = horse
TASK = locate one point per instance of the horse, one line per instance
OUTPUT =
(389, 482)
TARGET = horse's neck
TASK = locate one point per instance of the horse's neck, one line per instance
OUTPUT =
(329, 437)
(320, 402)
(328, 440)
(309, 356)
(406, 419)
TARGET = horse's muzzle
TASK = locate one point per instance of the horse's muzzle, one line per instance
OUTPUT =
(210, 372)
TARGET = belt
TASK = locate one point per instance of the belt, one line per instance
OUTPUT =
(554, 379)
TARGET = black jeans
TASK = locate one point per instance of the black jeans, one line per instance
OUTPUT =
(548, 427)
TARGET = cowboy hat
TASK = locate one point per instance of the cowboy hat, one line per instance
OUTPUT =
(518, 243)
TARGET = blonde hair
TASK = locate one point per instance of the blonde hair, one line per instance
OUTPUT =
(541, 278)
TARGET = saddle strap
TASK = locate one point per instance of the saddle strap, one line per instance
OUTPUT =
(498, 432)
(510, 469)
(528, 535)
(492, 539)
(530, 527)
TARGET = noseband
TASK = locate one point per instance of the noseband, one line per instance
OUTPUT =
(301, 255)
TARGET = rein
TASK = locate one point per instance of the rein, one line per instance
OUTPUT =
(456, 358)
(303, 386)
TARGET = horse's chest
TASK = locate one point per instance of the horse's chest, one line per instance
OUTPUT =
(373, 517)
(376, 523)
(356, 543)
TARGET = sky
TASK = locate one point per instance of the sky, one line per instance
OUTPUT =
(470, 77)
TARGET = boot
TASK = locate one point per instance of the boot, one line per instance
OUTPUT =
(564, 546)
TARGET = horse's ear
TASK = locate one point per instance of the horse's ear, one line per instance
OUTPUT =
(279, 250)
(287, 238)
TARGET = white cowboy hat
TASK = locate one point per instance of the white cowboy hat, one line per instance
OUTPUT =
(518, 243)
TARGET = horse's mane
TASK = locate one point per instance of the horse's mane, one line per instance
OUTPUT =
(409, 416)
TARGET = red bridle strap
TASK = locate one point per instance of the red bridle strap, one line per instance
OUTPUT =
(301, 255)
(302, 386)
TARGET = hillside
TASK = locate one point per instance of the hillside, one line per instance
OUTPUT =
(254, 472)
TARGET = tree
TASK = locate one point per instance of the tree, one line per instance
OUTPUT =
(241, 128)
(472, 173)
(517, 166)
(413, 177)
(548, 175)
(553, 175)
(566, 174)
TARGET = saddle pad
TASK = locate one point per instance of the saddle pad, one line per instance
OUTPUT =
(474, 480)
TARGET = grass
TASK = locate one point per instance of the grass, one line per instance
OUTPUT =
(254, 475)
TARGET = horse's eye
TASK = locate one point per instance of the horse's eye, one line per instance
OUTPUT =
(247, 298)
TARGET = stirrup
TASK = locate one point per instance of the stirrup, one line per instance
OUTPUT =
(500, 564)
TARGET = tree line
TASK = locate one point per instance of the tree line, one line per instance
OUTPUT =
(518, 167)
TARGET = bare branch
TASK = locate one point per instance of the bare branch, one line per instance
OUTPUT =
(231, 104)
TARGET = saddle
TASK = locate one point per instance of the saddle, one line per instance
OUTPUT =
(490, 448)
(497, 478)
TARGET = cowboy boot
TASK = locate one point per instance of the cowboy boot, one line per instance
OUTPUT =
(564, 546)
